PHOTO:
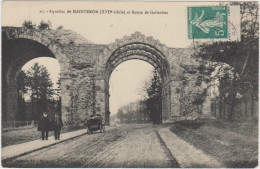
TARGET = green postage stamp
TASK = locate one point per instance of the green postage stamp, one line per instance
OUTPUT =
(208, 22)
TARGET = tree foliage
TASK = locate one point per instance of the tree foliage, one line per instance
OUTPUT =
(40, 85)
(153, 97)
(45, 25)
(242, 57)
(134, 112)
(36, 84)
(28, 24)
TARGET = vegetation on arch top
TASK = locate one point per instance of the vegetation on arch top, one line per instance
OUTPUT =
(59, 35)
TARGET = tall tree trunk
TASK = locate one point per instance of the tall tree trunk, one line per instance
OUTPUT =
(231, 105)
(224, 110)
(37, 101)
(215, 108)
(32, 115)
(246, 110)
(220, 108)
(252, 105)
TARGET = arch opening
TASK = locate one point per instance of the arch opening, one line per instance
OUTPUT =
(16, 54)
(149, 54)
(128, 101)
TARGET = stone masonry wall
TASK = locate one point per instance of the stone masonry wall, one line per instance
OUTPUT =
(84, 77)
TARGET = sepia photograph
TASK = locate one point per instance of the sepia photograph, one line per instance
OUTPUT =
(129, 84)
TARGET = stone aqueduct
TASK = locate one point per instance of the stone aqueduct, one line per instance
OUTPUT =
(86, 69)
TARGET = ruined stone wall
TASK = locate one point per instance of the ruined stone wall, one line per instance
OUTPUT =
(185, 87)
(84, 86)
(85, 75)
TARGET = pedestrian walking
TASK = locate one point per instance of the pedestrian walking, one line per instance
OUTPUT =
(57, 125)
(44, 125)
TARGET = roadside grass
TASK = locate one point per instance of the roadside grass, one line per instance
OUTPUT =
(234, 144)
(25, 135)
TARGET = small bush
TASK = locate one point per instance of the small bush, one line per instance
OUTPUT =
(28, 24)
(44, 25)
(60, 27)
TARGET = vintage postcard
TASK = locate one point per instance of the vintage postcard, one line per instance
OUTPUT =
(113, 84)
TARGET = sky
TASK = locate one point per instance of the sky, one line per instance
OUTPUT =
(170, 29)
(126, 82)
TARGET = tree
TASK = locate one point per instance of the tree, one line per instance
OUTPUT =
(241, 56)
(40, 86)
(46, 91)
(153, 97)
(28, 24)
(45, 25)
(120, 115)
(133, 112)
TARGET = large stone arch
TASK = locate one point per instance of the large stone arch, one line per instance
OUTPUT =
(137, 50)
(21, 45)
(44, 37)
(136, 46)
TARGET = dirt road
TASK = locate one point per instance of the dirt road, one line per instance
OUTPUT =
(123, 146)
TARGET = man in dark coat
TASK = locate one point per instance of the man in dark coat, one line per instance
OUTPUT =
(57, 124)
(44, 125)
